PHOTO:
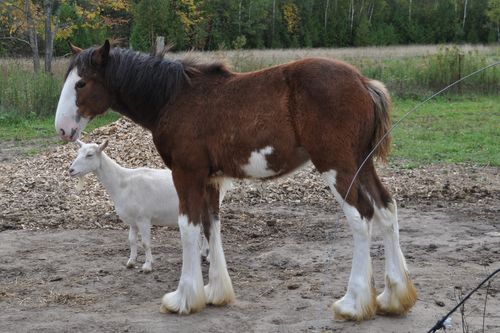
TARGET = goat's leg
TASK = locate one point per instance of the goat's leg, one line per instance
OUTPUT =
(204, 251)
(189, 296)
(132, 238)
(145, 230)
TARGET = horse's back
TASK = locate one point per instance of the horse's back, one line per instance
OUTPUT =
(280, 115)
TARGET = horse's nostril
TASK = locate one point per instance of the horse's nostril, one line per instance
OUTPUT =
(71, 171)
(73, 132)
(62, 131)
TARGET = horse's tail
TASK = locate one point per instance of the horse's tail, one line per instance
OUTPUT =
(382, 101)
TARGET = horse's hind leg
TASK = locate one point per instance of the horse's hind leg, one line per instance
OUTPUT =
(399, 294)
(359, 301)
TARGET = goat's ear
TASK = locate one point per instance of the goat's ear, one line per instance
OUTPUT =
(100, 55)
(103, 145)
(80, 143)
(74, 48)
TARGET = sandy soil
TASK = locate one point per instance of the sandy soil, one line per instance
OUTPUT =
(63, 255)
(286, 274)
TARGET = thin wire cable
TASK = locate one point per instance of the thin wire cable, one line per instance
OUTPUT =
(404, 117)
(440, 324)
(390, 130)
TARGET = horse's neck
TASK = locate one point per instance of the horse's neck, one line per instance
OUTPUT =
(111, 175)
(145, 117)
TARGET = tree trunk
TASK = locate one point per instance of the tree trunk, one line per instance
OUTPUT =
(351, 18)
(33, 38)
(274, 17)
(409, 11)
(326, 13)
(239, 18)
(49, 35)
(465, 14)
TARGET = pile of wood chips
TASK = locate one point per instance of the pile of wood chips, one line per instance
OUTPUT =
(37, 192)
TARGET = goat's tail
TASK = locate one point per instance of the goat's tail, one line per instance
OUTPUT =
(382, 103)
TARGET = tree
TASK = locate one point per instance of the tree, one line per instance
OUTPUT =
(493, 14)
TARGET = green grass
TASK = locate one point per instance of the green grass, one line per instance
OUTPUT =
(456, 130)
(19, 128)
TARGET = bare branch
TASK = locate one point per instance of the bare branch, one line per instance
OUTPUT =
(16, 39)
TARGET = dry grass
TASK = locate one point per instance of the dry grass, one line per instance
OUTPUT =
(408, 71)
(59, 65)
(277, 56)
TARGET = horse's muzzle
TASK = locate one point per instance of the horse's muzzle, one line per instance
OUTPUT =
(69, 137)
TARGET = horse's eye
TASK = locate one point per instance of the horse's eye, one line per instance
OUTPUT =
(80, 84)
(89, 155)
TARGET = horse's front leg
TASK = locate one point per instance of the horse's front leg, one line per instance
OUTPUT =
(219, 290)
(189, 296)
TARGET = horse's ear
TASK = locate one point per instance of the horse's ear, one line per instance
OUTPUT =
(100, 55)
(103, 145)
(80, 143)
(74, 48)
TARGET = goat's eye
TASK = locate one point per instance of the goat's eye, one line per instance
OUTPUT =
(80, 84)
(89, 155)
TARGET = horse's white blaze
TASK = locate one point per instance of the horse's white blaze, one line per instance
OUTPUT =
(219, 289)
(189, 296)
(358, 297)
(68, 124)
(257, 164)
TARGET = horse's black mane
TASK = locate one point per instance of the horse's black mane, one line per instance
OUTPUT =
(148, 80)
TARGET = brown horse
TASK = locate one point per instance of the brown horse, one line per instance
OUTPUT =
(210, 124)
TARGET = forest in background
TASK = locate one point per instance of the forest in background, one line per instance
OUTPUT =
(40, 30)
(43, 27)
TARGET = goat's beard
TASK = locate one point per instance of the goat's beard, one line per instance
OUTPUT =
(80, 185)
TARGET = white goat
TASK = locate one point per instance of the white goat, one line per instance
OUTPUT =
(142, 197)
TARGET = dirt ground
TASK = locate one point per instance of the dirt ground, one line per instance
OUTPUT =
(63, 254)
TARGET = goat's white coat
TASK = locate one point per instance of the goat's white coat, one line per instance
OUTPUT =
(142, 197)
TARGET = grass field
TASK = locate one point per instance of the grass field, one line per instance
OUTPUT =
(460, 127)
(29, 128)
(457, 130)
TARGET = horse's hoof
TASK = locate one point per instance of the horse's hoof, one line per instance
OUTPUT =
(220, 296)
(348, 308)
(176, 302)
(397, 298)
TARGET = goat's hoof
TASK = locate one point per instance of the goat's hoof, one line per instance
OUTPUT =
(130, 263)
(146, 268)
